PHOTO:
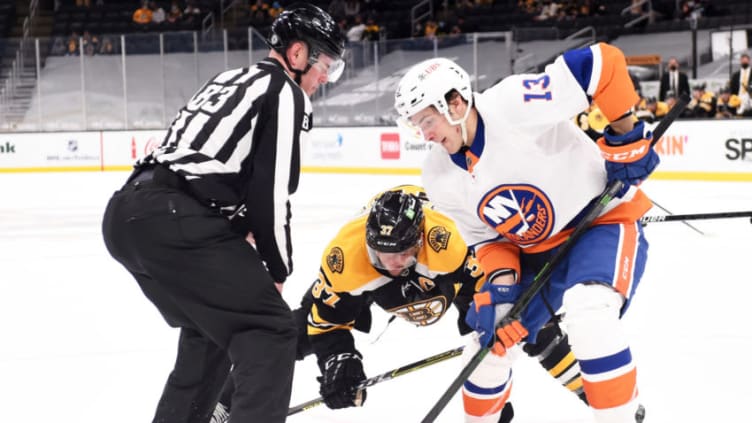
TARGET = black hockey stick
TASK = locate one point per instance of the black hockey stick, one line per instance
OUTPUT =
(545, 273)
(538, 282)
(696, 216)
(446, 355)
(686, 223)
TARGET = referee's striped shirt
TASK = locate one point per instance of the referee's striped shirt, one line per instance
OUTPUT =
(237, 143)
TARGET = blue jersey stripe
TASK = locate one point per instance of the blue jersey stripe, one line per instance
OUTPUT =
(606, 364)
(483, 391)
(580, 63)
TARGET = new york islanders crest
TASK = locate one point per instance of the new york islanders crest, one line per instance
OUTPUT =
(521, 213)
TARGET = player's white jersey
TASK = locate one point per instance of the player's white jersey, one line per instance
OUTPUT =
(500, 193)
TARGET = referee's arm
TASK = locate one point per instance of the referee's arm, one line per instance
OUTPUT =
(276, 168)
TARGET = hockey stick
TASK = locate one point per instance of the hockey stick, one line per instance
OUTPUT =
(446, 355)
(544, 274)
(667, 211)
(697, 216)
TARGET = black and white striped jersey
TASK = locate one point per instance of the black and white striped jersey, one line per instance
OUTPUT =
(237, 143)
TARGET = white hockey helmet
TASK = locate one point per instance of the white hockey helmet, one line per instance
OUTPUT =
(427, 83)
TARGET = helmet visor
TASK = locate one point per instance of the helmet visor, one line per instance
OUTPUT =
(333, 68)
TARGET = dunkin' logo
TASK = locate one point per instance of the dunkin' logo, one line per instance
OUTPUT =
(521, 213)
(390, 146)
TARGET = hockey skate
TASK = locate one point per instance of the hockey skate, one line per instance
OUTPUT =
(506, 413)
(640, 414)
(221, 414)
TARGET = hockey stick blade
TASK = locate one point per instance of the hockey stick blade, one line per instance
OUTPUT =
(401, 371)
(545, 273)
(695, 216)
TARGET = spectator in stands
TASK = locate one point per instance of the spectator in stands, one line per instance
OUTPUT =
(175, 15)
(260, 5)
(670, 99)
(275, 10)
(691, 9)
(337, 9)
(191, 8)
(355, 32)
(352, 8)
(107, 47)
(142, 15)
(673, 80)
(58, 47)
(651, 110)
(83, 3)
(702, 105)
(430, 30)
(158, 14)
(740, 82)
(527, 6)
(372, 30)
(72, 44)
(90, 43)
(548, 11)
(728, 104)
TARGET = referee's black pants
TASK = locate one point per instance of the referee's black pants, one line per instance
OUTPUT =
(211, 283)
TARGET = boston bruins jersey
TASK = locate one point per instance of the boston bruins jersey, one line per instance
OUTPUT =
(348, 283)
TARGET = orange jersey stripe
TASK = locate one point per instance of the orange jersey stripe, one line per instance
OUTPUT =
(628, 212)
(613, 392)
(626, 259)
(483, 407)
(471, 160)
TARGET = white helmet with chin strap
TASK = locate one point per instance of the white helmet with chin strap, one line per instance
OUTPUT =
(427, 84)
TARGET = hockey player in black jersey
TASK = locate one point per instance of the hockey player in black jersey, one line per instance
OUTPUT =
(410, 260)
(232, 151)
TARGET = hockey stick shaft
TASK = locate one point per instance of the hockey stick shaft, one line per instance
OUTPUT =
(669, 212)
(446, 355)
(538, 282)
(545, 273)
(695, 216)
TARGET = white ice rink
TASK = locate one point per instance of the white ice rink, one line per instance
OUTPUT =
(80, 343)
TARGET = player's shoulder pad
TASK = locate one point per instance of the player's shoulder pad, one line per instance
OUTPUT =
(345, 263)
(443, 247)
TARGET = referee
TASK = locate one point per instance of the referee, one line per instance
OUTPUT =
(203, 223)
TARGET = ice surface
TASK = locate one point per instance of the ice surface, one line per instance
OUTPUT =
(81, 344)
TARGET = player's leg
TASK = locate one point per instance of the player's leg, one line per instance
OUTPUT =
(552, 351)
(225, 292)
(138, 229)
(195, 381)
(486, 391)
(303, 349)
(616, 256)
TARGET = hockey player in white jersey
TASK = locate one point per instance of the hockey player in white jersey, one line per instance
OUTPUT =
(516, 174)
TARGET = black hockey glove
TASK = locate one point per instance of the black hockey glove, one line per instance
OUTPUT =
(342, 373)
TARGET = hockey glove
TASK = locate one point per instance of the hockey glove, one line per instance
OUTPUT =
(342, 373)
(489, 306)
(629, 157)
